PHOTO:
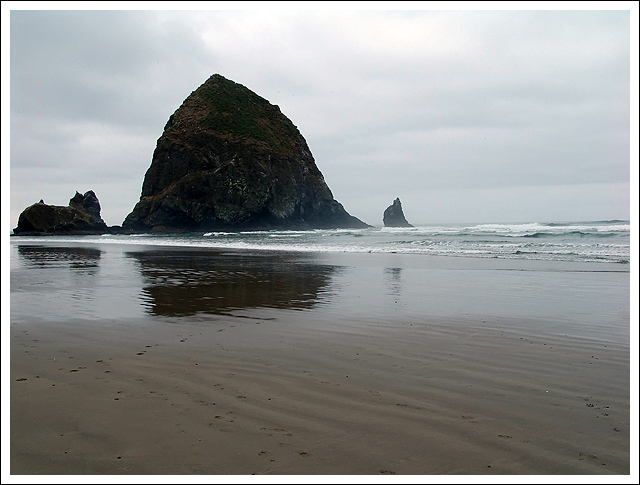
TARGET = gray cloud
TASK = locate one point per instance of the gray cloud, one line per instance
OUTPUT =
(466, 115)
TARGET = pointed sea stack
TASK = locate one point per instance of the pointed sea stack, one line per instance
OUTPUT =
(230, 160)
(394, 217)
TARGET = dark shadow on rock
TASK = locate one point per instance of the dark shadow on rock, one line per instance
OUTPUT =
(230, 160)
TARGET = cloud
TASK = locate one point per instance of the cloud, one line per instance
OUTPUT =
(422, 103)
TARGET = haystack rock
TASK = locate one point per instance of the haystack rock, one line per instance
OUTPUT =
(394, 217)
(230, 160)
(81, 216)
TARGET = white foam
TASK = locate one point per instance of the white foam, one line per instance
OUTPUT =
(579, 241)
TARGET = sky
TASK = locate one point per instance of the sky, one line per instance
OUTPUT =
(468, 116)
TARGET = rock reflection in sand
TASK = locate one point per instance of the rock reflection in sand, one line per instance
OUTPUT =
(77, 258)
(57, 282)
(179, 283)
(393, 279)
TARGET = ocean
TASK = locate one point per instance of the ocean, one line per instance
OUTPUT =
(569, 279)
(600, 241)
(440, 349)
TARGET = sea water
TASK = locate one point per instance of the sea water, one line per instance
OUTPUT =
(600, 241)
(570, 279)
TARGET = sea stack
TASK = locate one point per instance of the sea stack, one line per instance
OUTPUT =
(230, 160)
(81, 216)
(394, 217)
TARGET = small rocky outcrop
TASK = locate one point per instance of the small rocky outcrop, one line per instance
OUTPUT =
(394, 217)
(81, 216)
(230, 160)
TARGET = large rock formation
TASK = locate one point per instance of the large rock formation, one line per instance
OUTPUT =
(81, 216)
(394, 217)
(230, 160)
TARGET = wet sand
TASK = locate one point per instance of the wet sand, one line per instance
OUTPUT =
(160, 361)
(265, 393)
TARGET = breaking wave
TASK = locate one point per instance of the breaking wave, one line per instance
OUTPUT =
(606, 241)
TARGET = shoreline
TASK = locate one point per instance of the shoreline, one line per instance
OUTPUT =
(272, 392)
(140, 360)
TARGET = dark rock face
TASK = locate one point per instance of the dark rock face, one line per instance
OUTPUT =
(82, 216)
(230, 160)
(394, 217)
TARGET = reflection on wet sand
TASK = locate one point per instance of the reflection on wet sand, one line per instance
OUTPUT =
(78, 258)
(181, 283)
(393, 279)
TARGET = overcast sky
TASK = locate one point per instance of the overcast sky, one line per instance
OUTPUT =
(467, 116)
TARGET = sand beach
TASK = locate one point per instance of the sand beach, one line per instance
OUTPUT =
(275, 364)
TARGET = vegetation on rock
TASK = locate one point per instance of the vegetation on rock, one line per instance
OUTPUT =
(230, 160)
